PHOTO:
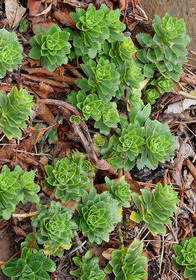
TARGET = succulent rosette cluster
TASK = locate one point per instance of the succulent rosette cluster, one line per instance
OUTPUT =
(119, 191)
(102, 79)
(32, 264)
(159, 144)
(16, 186)
(126, 147)
(166, 49)
(10, 52)
(51, 47)
(95, 27)
(162, 84)
(54, 227)
(97, 215)
(68, 177)
(109, 118)
(150, 95)
(10, 193)
(88, 269)
(155, 208)
(128, 264)
(186, 257)
(15, 109)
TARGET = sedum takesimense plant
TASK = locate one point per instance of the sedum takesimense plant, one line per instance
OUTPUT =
(91, 107)
(15, 109)
(54, 227)
(166, 49)
(97, 215)
(150, 95)
(186, 257)
(32, 263)
(95, 26)
(109, 119)
(155, 208)
(128, 263)
(51, 47)
(88, 269)
(102, 79)
(159, 144)
(68, 177)
(119, 191)
(16, 186)
(10, 52)
(160, 86)
(140, 140)
(10, 193)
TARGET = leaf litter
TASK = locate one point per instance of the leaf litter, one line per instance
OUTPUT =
(177, 108)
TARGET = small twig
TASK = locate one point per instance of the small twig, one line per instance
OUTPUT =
(45, 136)
(176, 274)
(77, 248)
(162, 252)
(25, 215)
(78, 242)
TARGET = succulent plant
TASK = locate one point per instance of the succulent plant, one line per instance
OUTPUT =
(162, 84)
(150, 95)
(131, 75)
(10, 193)
(97, 215)
(54, 227)
(139, 140)
(120, 51)
(90, 105)
(16, 186)
(127, 147)
(159, 144)
(155, 208)
(68, 177)
(186, 257)
(128, 263)
(93, 30)
(95, 27)
(10, 52)
(31, 265)
(109, 118)
(115, 26)
(51, 47)
(119, 191)
(28, 187)
(88, 270)
(166, 49)
(14, 111)
(102, 78)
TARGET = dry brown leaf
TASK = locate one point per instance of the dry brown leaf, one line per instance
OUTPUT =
(19, 231)
(14, 12)
(44, 113)
(43, 89)
(34, 6)
(193, 216)
(155, 242)
(43, 160)
(123, 5)
(107, 254)
(28, 144)
(104, 165)
(42, 22)
(134, 186)
(70, 204)
(64, 19)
